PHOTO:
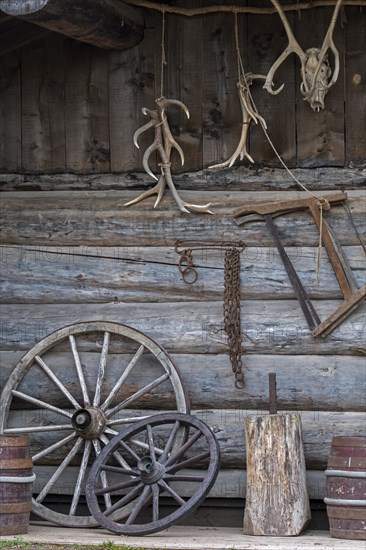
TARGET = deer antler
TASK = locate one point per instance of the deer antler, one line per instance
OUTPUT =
(163, 143)
(315, 69)
(248, 114)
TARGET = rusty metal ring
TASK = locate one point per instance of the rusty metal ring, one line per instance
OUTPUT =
(189, 275)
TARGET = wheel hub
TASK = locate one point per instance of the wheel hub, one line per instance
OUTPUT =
(90, 422)
(151, 471)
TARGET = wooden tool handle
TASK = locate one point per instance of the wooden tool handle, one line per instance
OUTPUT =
(285, 206)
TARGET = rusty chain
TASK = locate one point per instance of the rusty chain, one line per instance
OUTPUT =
(232, 324)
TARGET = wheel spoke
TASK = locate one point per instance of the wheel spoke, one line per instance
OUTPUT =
(103, 475)
(80, 479)
(138, 394)
(184, 478)
(171, 491)
(155, 502)
(124, 500)
(170, 442)
(187, 463)
(123, 377)
(36, 429)
(57, 382)
(139, 505)
(116, 454)
(53, 447)
(145, 446)
(184, 448)
(118, 487)
(101, 370)
(150, 440)
(39, 403)
(59, 470)
(118, 470)
(79, 370)
(127, 420)
(129, 450)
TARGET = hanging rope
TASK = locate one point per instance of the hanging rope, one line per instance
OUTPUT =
(163, 55)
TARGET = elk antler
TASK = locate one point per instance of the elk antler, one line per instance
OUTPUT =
(315, 69)
(248, 114)
(163, 143)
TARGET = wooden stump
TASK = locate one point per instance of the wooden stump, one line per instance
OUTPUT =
(277, 502)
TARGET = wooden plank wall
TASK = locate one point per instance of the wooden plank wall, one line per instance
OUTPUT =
(72, 252)
(78, 114)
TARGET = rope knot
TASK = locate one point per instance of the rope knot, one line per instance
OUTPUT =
(323, 204)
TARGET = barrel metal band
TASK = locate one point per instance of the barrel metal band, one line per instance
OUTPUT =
(345, 502)
(15, 479)
(345, 473)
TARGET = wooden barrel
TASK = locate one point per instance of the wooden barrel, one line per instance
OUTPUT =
(346, 488)
(16, 483)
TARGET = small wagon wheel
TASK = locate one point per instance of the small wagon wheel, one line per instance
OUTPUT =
(72, 391)
(149, 475)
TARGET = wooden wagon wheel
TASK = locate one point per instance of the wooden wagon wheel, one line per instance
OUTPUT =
(79, 387)
(150, 474)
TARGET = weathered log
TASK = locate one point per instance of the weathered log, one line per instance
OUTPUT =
(230, 483)
(277, 502)
(237, 178)
(100, 218)
(268, 327)
(227, 425)
(333, 383)
(108, 24)
(139, 274)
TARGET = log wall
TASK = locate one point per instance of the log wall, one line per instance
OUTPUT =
(72, 252)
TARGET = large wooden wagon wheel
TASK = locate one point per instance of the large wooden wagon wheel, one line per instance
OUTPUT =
(71, 392)
(161, 469)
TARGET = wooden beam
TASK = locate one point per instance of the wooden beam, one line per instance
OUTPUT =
(107, 24)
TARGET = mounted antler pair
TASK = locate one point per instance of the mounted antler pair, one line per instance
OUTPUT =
(315, 68)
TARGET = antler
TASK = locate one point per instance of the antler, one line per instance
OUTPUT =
(163, 143)
(315, 69)
(248, 114)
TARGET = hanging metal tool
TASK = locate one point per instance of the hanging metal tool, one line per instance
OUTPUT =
(231, 290)
(342, 270)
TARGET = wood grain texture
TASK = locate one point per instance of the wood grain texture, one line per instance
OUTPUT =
(277, 502)
(320, 135)
(271, 326)
(86, 108)
(266, 41)
(101, 219)
(10, 114)
(43, 129)
(227, 425)
(90, 274)
(355, 86)
(237, 178)
(230, 483)
(221, 109)
(307, 382)
(131, 87)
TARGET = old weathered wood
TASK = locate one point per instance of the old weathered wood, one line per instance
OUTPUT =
(230, 483)
(355, 86)
(319, 134)
(87, 274)
(100, 218)
(43, 128)
(237, 178)
(277, 502)
(266, 41)
(10, 113)
(332, 382)
(267, 327)
(86, 116)
(227, 425)
(111, 24)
